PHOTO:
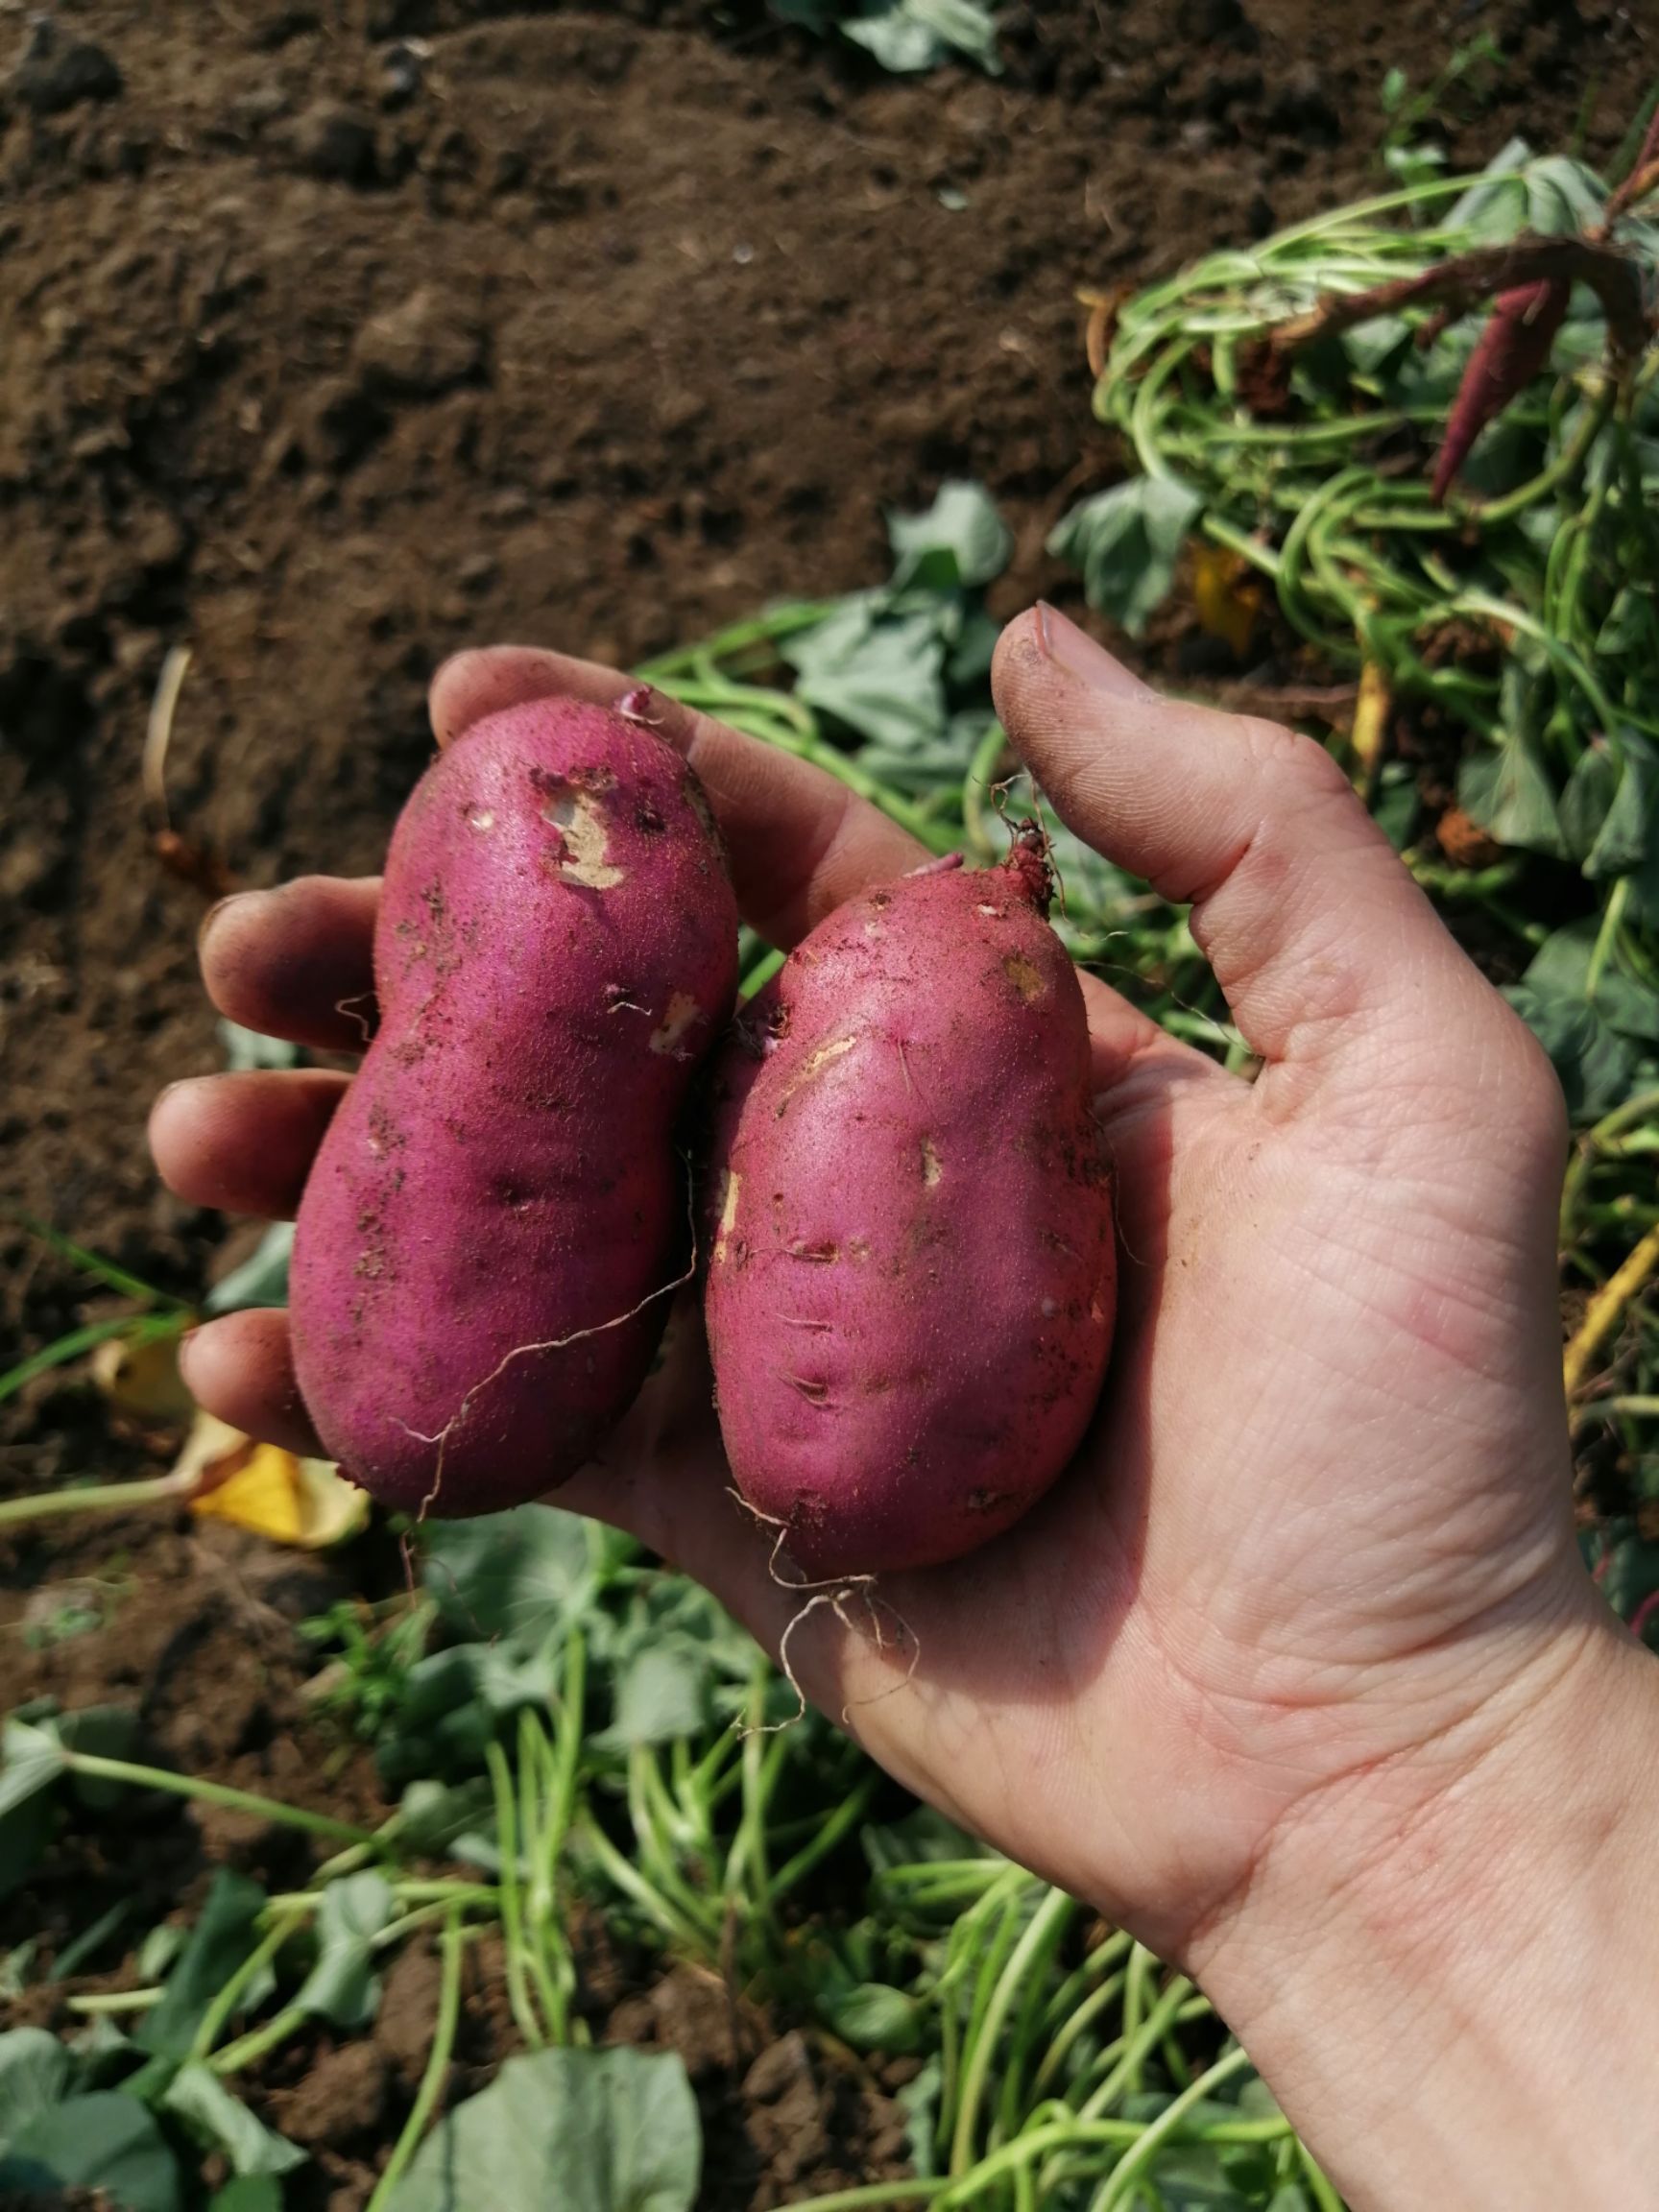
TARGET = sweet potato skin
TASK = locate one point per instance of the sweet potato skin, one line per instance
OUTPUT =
(1513, 349)
(555, 951)
(911, 1267)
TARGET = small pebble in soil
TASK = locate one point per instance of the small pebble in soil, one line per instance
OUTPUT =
(402, 71)
(335, 141)
(422, 347)
(57, 70)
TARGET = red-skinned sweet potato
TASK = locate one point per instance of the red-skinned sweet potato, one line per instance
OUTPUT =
(1513, 349)
(911, 1272)
(499, 1204)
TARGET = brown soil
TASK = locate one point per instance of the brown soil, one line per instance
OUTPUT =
(339, 333)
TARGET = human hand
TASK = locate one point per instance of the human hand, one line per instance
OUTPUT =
(1314, 1570)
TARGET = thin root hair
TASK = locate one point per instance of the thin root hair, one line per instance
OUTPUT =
(441, 1437)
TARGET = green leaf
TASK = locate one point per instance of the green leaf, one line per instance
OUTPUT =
(31, 1760)
(222, 2120)
(1494, 208)
(910, 34)
(591, 2130)
(921, 2100)
(261, 1280)
(1396, 807)
(85, 1946)
(923, 1837)
(1628, 625)
(1629, 832)
(246, 1048)
(108, 1732)
(1586, 797)
(342, 1986)
(1126, 541)
(247, 2193)
(159, 1951)
(1374, 347)
(28, 1806)
(103, 2054)
(523, 1574)
(1561, 969)
(879, 673)
(219, 1942)
(662, 1692)
(1564, 199)
(960, 543)
(435, 1818)
(102, 2141)
(453, 1704)
(34, 2074)
(1596, 1065)
(1507, 793)
(817, 15)
(873, 2016)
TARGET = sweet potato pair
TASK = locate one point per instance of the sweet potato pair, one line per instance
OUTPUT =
(910, 1241)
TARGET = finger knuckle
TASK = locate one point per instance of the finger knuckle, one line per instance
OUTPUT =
(1536, 1100)
(1298, 765)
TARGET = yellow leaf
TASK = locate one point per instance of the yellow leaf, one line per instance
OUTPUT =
(1227, 595)
(1371, 718)
(275, 1493)
(142, 1378)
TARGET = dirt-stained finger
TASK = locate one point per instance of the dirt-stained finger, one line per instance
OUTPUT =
(297, 962)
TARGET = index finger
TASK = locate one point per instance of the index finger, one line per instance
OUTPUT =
(799, 842)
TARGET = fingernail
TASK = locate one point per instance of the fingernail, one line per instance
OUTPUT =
(213, 913)
(1080, 655)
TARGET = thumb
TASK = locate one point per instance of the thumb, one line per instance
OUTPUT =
(1325, 948)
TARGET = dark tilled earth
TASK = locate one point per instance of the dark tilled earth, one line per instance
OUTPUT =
(335, 334)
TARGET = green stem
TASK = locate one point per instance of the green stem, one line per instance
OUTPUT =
(106, 1271)
(759, 1763)
(1324, 2195)
(1606, 937)
(1144, 2039)
(544, 1950)
(1165, 2125)
(96, 1497)
(651, 1902)
(826, 1835)
(1137, 2004)
(229, 1995)
(1643, 1107)
(1621, 1409)
(259, 2042)
(115, 2000)
(511, 1920)
(1043, 1929)
(873, 2193)
(436, 2069)
(1096, 2003)
(1130, 2136)
(762, 972)
(988, 755)
(100, 1769)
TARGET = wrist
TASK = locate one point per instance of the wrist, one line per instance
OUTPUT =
(1448, 1968)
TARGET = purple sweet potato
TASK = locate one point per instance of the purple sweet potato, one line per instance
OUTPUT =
(1513, 349)
(911, 1268)
(500, 1201)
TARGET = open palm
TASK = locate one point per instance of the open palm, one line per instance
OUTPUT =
(1322, 1518)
